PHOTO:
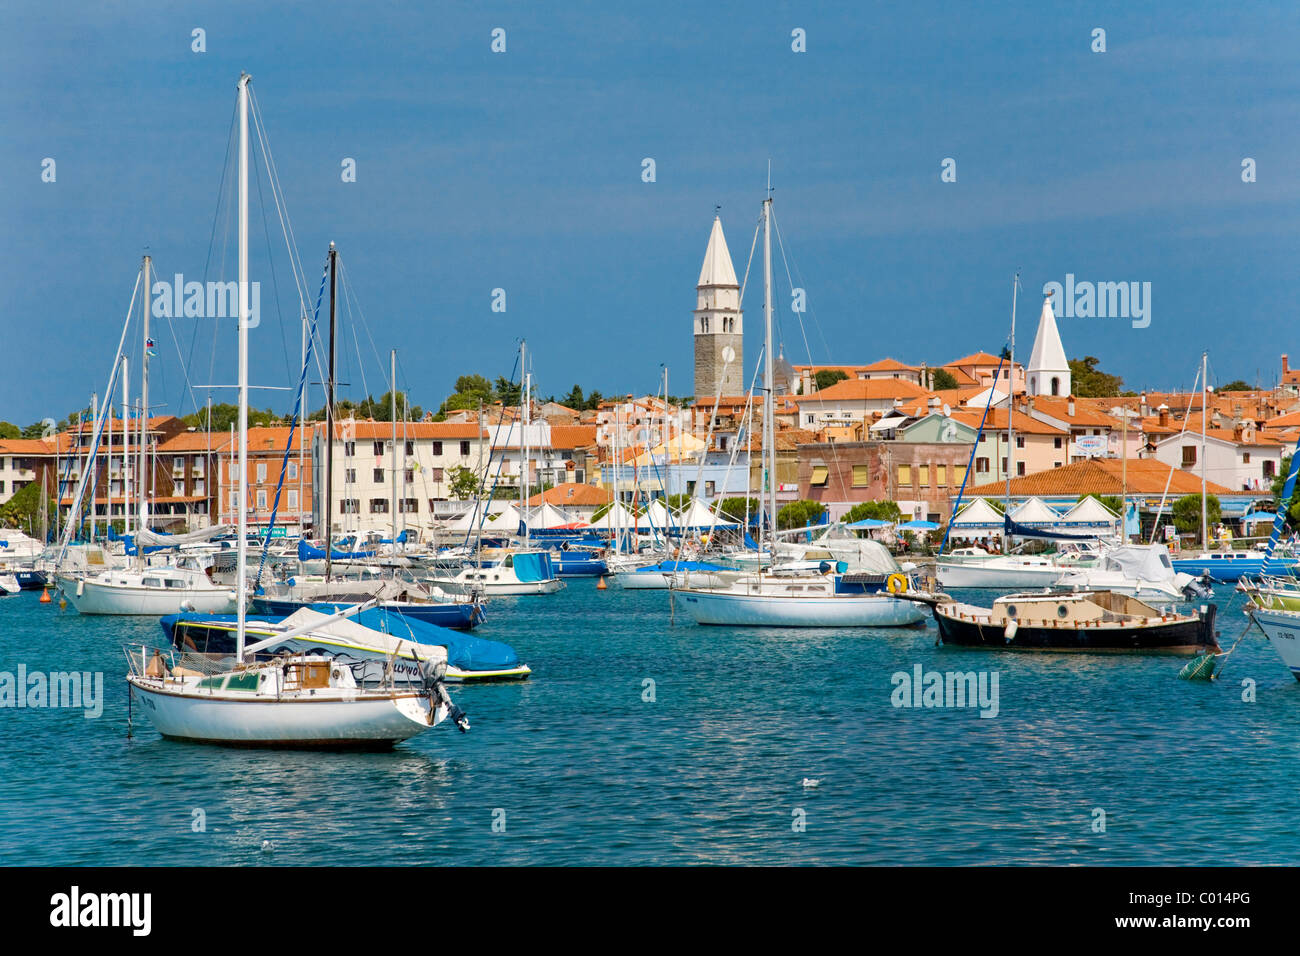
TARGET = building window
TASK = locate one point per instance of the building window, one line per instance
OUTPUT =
(959, 474)
(1056, 464)
(350, 476)
(293, 471)
(437, 448)
(292, 503)
(350, 506)
(1056, 442)
(1020, 441)
(1270, 468)
(261, 471)
(349, 449)
(904, 474)
(1245, 458)
(464, 449)
(941, 475)
(861, 476)
(408, 506)
(410, 476)
(261, 499)
(410, 448)
(1189, 455)
(1020, 468)
(923, 475)
(178, 463)
(809, 419)
(981, 466)
(1056, 385)
(437, 474)
(379, 506)
(379, 447)
(379, 476)
(819, 475)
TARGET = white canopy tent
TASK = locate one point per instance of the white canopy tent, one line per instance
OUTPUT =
(548, 516)
(698, 516)
(1090, 514)
(656, 518)
(1035, 513)
(979, 519)
(617, 518)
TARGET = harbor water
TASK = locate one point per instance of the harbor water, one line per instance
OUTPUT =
(642, 740)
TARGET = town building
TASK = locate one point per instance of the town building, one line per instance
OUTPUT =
(719, 326)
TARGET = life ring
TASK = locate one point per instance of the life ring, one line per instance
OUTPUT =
(896, 583)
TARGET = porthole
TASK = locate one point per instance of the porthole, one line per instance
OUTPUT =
(1062, 611)
(1011, 610)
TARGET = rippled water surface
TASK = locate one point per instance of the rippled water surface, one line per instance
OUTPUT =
(711, 771)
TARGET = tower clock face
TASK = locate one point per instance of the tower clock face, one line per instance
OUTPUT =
(728, 355)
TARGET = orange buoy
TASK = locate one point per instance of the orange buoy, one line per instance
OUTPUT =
(45, 596)
(601, 585)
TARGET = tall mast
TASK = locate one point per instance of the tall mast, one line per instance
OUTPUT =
(1205, 393)
(92, 459)
(141, 489)
(1011, 406)
(769, 428)
(302, 404)
(392, 390)
(126, 443)
(241, 572)
(329, 421)
(523, 433)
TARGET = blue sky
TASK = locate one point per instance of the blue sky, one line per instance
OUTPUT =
(522, 171)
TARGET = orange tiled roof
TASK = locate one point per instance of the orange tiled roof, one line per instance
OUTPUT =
(862, 389)
(1104, 476)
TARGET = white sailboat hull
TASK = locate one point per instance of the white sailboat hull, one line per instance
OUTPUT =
(337, 722)
(653, 581)
(996, 575)
(763, 610)
(90, 596)
(1282, 628)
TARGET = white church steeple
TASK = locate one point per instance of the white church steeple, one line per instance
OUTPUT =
(1048, 372)
(719, 335)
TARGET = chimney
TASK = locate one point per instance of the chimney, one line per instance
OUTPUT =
(1143, 410)
(1285, 368)
(1069, 407)
(1164, 414)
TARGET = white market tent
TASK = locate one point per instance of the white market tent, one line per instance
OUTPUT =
(698, 515)
(1090, 514)
(978, 519)
(507, 521)
(655, 519)
(1035, 513)
(548, 516)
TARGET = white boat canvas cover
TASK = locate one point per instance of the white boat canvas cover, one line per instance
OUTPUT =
(1034, 513)
(1139, 562)
(354, 633)
(152, 539)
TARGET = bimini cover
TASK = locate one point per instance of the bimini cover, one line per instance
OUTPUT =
(1146, 562)
(465, 651)
(532, 566)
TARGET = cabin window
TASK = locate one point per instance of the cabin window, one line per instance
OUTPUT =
(175, 583)
(153, 582)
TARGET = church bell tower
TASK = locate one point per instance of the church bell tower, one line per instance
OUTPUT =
(719, 334)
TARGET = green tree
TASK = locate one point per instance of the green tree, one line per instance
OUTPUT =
(798, 514)
(508, 392)
(23, 509)
(734, 508)
(574, 399)
(475, 385)
(1237, 386)
(943, 379)
(1187, 512)
(828, 377)
(10, 430)
(1088, 381)
(1279, 485)
(464, 483)
(225, 414)
(880, 510)
(381, 409)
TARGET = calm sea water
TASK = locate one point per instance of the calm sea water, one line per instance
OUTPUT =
(582, 770)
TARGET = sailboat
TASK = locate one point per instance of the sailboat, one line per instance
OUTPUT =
(141, 589)
(293, 700)
(829, 598)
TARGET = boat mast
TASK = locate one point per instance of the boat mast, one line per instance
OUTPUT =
(92, 457)
(769, 429)
(329, 422)
(1011, 407)
(1205, 393)
(392, 459)
(241, 572)
(142, 488)
(523, 433)
(126, 443)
